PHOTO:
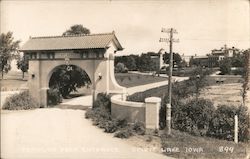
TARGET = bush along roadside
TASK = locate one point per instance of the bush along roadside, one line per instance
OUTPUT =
(100, 115)
(20, 101)
(199, 117)
(54, 96)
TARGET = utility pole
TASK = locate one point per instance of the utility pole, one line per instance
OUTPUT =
(171, 31)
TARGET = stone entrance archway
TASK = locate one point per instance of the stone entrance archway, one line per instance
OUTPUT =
(92, 53)
(74, 82)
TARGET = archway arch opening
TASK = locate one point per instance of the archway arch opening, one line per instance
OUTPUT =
(66, 82)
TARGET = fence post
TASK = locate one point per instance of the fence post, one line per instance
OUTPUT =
(236, 128)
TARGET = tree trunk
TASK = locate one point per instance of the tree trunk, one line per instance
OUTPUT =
(2, 74)
(23, 75)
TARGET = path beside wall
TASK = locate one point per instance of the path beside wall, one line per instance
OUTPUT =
(145, 87)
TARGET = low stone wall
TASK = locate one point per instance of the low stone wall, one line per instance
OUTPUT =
(132, 111)
(147, 112)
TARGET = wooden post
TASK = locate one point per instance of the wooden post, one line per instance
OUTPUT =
(236, 128)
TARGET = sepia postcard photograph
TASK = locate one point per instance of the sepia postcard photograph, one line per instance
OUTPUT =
(125, 79)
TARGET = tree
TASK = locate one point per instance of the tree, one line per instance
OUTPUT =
(121, 68)
(76, 30)
(191, 61)
(225, 66)
(8, 49)
(23, 64)
(176, 58)
(145, 63)
(238, 60)
(68, 81)
(198, 80)
(129, 61)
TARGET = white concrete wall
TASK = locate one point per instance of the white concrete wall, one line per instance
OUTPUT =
(131, 111)
(147, 112)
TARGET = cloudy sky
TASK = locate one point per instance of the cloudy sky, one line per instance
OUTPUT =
(202, 25)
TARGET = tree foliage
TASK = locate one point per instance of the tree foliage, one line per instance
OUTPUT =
(129, 61)
(68, 81)
(23, 64)
(145, 63)
(225, 66)
(121, 68)
(76, 30)
(238, 60)
(8, 49)
(176, 58)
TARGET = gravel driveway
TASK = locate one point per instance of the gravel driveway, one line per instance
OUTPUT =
(61, 133)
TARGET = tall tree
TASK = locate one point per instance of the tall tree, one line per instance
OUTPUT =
(8, 50)
(23, 64)
(176, 58)
(67, 81)
(76, 30)
(145, 63)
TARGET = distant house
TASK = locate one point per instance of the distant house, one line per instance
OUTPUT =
(225, 51)
(219, 54)
(186, 58)
(200, 61)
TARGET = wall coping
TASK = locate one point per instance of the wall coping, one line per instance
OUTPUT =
(117, 99)
(153, 100)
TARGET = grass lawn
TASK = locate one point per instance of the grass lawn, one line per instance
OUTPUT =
(211, 86)
(131, 79)
(13, 81)
(183, 145)
(12, 85)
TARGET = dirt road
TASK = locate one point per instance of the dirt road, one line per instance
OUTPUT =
(61, 133)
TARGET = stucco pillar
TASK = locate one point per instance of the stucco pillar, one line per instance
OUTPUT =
(43, 97)
(152, 109)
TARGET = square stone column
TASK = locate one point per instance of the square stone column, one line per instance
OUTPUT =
(43, 97)
(152, 109)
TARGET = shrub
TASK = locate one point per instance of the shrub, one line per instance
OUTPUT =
(115, 124)
(20, 101)
(121, 68)
(176, 104)
(110, 126)
(124, 133)
(102, 101)
(225, 66)
(139, 128)
(193, 117)
(98, 114)
(54, 96)
(222, 125)
(101, 116)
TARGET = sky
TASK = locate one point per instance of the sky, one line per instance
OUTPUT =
(202, 25)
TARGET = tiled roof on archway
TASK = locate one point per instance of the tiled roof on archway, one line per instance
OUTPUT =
(91, 41)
